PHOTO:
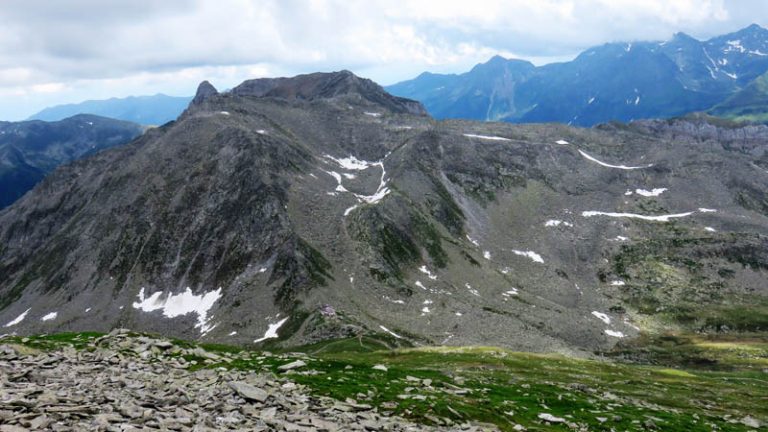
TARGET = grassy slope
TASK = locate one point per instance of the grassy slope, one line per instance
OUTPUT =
(748, 105)
(507, 388)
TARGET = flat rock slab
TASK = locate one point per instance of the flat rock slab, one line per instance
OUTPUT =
(292, 365)
(249, 392)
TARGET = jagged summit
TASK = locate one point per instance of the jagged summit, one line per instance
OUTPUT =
(325, 85)
(204, 91)
(753, 28)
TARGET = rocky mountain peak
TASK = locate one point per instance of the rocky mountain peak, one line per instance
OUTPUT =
(684, 38)
(204, 91)
(498, 62)
(327, 85)
(753, 29)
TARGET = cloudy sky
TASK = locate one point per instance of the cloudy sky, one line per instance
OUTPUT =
(65, 51)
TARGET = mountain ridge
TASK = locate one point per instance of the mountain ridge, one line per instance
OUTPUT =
(270, 216)
(155, 110)
(31, 149)
(619, 81)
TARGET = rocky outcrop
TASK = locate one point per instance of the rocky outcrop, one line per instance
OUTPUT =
(204, 91)
(325, 86)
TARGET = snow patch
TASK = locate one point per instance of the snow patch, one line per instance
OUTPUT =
(335, 175)
(232, 333)
(261, 132)
(473, 241)
(426, 271)
(628, 193)
(602, 317)
(87, 310)
(181, 304)
(420, 285)
(529, 254)
(710, 229)
(618, 283)
(473, 291)
(18, 319)
(563, 142)
(272, 330)
(487, 255)
(662, 218)
(511, 292)
(226, 113)
(624, 167)
(592, 99)
(352, 163)
(614, 333)
(372, 114)
(50, 316)
(424, 310)
(390, 332)
(555, 222)
(651, 193)
(349, 210)
(707, 210)
(735, 45)
(487, 137)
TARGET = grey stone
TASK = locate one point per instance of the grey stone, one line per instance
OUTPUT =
(249, 392)
(750, 421)
(292, 365)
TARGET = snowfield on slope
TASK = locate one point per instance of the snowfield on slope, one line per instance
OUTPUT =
(271, 332)
(180, 304)
(661, 218)
(624, 167)
(487, 137)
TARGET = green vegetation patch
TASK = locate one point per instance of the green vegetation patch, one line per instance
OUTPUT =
(449, 385)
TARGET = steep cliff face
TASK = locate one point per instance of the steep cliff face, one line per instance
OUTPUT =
(319, 205)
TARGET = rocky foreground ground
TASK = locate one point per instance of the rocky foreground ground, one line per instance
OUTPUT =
(122, 383)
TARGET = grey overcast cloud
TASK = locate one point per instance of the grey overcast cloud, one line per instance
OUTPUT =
(65, 51)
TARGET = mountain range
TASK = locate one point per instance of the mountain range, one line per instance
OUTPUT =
(615, 81)
(146, 110)
(31, 149)
(293, 210)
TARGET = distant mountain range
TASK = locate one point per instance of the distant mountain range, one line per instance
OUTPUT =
(147, 110)
(31, 149)
(615, 81)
